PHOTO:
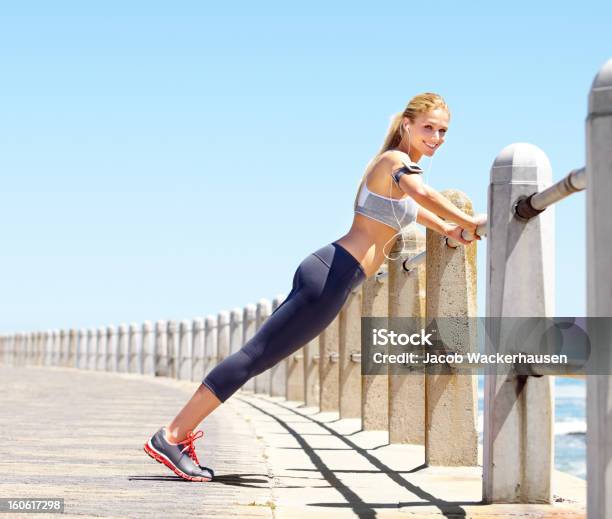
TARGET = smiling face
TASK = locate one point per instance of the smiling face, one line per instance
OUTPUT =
(427, 132)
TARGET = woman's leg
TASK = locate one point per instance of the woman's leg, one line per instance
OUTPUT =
(321, 285)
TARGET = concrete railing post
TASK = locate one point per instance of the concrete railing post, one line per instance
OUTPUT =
(71, 360)
(185, 350)
(407, 299)
(63, 348)
(249, 327)
(223, 335)
(55, 347)
(111, 348)
(148, 349)
(518, 410)
(160, 346)
(81, 346)
(101, 346)
(122, 348)
(48, 347)
(349, 326)
(375, 388)
(255, 316)
(451, 402)
(312, 389)
(197, 370)
(172, 346)
(599, 290)
(210, 344)
(235, 330)
(90, 347)
(329, 367)
(133, 347)
(278, 372)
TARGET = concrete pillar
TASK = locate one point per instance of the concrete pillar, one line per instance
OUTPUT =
(71, 360)
(256, 317)
(101, 346)
(407, 299)
(148, 349)
(235, 330)
(278, 372)
(63, 347)
(81, 353)
(56, 343)
(49, 348)
(27, 348)
(223, 335)
(350, 355)
(210, 344)
(329, 371)
(451, 400)
(92, 346)
(375, 388)
(172, 348)
(122, 348)
(249, 326)
(161, 349)
(311, 373)
(133, 347)
(599, 292)
(518, 410)
(111, 349)
(185, 351)
(197, 371)
(39, 348)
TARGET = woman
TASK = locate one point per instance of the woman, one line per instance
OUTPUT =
(391, 195)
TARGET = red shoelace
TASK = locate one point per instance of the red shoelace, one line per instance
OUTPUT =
(189, 441)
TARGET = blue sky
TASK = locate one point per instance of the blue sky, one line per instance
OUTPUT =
(171, 160)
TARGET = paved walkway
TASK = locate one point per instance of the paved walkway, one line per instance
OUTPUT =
(78, 435)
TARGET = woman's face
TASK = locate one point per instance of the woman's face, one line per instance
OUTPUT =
(428, 131)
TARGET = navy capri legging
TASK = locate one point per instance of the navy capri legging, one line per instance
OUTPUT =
(321, 285)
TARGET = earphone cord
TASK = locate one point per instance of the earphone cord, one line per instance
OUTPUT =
(397, 219)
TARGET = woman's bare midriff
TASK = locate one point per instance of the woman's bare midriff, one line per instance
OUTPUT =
(365, 241)
(367, 237)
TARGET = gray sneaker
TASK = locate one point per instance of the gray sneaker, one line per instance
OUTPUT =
(180, 458)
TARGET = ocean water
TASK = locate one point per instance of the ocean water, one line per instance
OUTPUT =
(570, 424)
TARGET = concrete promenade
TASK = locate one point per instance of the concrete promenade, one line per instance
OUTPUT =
(79, 434)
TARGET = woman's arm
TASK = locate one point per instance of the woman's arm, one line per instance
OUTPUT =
(429, 198)
(431, 221)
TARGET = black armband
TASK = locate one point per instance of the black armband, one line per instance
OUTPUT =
(409, 168)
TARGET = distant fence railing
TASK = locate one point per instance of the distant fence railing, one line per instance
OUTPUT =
(437, 411)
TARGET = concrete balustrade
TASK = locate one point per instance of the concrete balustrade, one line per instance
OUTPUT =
(518, 428)
(254, 317)
(91, 343)
(112, 346)
(210, 344)
(197, 370)
(375, 388)
(223, 335)
(172, 348)
(249, 327)
(451, 403)
(101, 349)
(349, 355)
(278, 372)
(407, 299)
(599, 291)
(160, 345)
(148, 349)
(185, 350)
(311, 372)
(329, 367)
(122, 348)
